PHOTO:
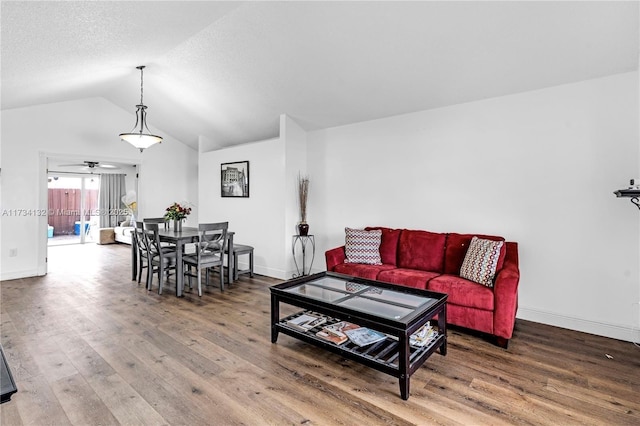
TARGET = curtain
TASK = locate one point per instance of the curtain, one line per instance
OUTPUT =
(112, 210)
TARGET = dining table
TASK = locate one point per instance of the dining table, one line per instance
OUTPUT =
(181, 238)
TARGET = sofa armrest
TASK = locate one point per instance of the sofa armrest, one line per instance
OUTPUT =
(505, 291)
(334, 257)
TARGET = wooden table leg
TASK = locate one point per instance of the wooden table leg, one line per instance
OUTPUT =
(275, 318)
(179, 270)
(403, 366)
(230, 276)
(134, 258)
(404, 387)
(442, 328)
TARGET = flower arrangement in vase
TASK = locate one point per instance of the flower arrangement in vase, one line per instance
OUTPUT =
(177, 213)
(303, 194)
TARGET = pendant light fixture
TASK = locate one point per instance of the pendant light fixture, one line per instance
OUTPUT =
(139, 138)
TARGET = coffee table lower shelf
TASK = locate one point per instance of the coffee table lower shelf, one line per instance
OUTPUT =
(383, 356)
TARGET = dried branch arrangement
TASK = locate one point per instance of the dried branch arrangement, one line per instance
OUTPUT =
(303, 193)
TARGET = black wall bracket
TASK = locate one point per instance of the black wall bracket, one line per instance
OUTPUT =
(633, 193)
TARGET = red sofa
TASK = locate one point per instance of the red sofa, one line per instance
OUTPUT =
(432, 261)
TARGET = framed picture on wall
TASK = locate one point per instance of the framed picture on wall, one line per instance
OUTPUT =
(234, 181)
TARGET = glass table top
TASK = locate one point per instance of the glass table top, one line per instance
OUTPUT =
(362, 297)
(382, 309)
(316, 292)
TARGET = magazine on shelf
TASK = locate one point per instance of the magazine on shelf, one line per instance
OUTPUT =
(331, 337)
(306, 321)
(425, 335)
(363, 336)
(340, 327)
(335, 332)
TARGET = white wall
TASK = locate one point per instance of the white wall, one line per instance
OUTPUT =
(268, 219)
(257, 220)
(538, 168)
(86, 129)
(295, 142)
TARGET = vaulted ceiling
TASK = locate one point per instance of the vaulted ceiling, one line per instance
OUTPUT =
(225, 71)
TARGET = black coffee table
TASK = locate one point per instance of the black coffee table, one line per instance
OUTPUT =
(396, 311)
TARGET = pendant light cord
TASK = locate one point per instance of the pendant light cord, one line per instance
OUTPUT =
(141, 68)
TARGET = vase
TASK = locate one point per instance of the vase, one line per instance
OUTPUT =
(177, 225)
(303, 228)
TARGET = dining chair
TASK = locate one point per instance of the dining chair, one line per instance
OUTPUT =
(159, 220)
(161, 259)
(143, 252)
(210, 249)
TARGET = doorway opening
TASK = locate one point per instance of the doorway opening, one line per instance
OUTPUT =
(72, 208)
(69, 223)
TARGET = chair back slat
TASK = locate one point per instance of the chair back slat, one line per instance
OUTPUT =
(161, 259)
(212, 238)
(141, 239)
(153, 239)
(154, 220)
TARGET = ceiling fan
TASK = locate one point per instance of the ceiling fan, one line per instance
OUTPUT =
(92, 165)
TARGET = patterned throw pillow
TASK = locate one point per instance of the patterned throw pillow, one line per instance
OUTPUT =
(480, 262)
(362, 246)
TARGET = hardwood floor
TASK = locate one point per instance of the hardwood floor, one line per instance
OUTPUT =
(88, 346)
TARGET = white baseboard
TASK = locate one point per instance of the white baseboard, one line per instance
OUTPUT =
(269, 272)
(14, 275)
(614, 331)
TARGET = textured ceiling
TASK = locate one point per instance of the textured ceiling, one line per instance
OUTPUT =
(227, 70)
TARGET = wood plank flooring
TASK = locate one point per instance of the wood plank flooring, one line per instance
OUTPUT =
(88, 346)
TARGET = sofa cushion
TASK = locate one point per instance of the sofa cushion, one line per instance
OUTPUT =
(123, 234)
(473, 318)
(362, 246)
(407, 277)
(122, 230)
(481, 260)
(463, 292)
(388, 245)
(457, 245)
(421, 250)
(369, 272)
